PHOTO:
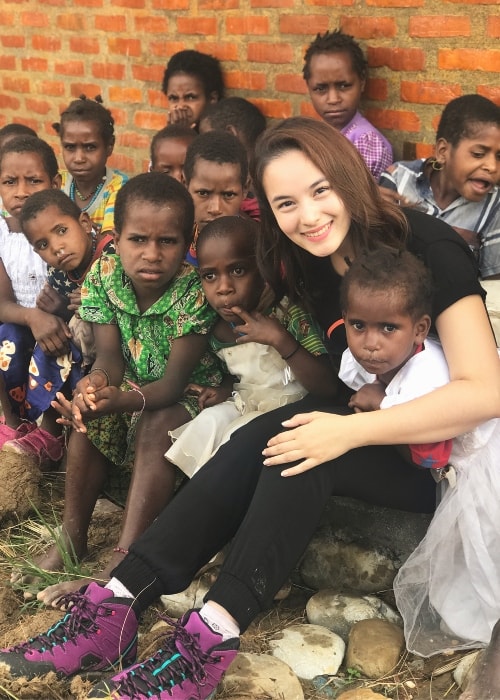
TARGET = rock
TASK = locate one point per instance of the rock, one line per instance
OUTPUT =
(374, 647)
(462, 671)
(309, 650)
(331, 563)
(177, 604)
(361, 694)
(259, 677)
(338, 612)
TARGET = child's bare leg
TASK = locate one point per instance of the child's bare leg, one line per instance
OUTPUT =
(11, 418)
(485, 680)
(49, 422)
(85, 474)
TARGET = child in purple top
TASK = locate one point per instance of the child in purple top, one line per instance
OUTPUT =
(335, 72)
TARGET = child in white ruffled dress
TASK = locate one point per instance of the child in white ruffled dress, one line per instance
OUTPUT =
(447, 590)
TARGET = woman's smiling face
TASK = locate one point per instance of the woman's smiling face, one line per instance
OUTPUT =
(307, 209)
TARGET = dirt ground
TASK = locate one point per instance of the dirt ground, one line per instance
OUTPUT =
(413, 679)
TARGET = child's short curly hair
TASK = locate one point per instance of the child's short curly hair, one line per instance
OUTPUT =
(461, 117)
(32, 144)
(202, 66)
(218, 147)
(334, 42)
(87, 110)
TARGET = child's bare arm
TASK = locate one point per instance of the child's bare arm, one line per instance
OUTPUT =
(212, 395)
(368, 398)
(50, 331)
(315, 373)
(52, 302)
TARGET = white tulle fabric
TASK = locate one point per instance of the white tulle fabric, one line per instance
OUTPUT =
(25, 268)
(267, 382)
(448, 590)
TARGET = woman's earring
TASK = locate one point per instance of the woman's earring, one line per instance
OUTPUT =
(436, 165)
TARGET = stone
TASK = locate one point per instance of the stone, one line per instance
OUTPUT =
(177, 604)
(332, 563)
(260, 677)
(338, 612)
(361, 694)
(309, 650)
(374, 647)
(462, 671)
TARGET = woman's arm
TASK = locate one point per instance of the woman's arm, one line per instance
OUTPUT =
(472, 397)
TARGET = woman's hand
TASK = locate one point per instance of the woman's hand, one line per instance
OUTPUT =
(313, 438)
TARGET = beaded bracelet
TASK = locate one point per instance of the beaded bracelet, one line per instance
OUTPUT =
(135, 418)
(121, 550)
(100, 369)
(291, 354)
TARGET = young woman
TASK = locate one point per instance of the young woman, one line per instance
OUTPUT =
(320, 208)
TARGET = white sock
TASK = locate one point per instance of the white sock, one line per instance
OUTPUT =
(118, 589)
(219, 622)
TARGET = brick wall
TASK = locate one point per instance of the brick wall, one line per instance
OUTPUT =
(421, 53)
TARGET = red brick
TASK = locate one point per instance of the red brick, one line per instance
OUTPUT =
(165, 48)
(476, 2)
(120, 116)
(88, 3)
(151, 25)
(156, 98)
(271, 52)
(121, 162)
(131, 139)
(493, 27)
(218, 4)
(171, 5)
(132, 4)
(222, 51)
(16, 83)
(491, 92)
(38, 106)
(396, 59)
(84, 44)
(114, 23)
(69, 67)
(303, 24)
(72, 22)
(88, 89)
(291, 83)
(55, 3)
(197, 25)
(424, 150)
(395, 3)
(369, 27)
(247, 80)
(8, 62)
(125, 95)
(307, 110)
(251, 25)
(34, 19)
(469, 59)
(149, 120)
(7, 18)
(427, 92)
(439, 25)
(124, 47)
(13, 41)
(376, 89)
(46, 43)
(152, 74)
(34, 64)
(271, 3)
(52, 88)
(279, 109)
(9, 102)
(394, 119)
(108, 71)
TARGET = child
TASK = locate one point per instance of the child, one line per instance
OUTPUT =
(87, 137)
(274, 350)
(191, 81)
(449, 585)
(459, 183)
(243, 119)
(8, 132)
(168, 150)
(335, 72)
(150, 322)
(216, 174)
(27, 165)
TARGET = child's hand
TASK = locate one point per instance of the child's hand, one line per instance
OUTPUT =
(50, 332)
(52, 302)
(394, 197)
(75, 300)
(181, 115)
(258, 328)
(368, 398)
(208, 395)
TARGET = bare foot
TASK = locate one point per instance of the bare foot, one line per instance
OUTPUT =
(50, 561)
(485, 675)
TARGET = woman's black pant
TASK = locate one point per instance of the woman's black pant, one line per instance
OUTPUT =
(270, 519)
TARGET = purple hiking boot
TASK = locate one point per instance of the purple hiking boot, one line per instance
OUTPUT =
(189, 666)
(98, 633)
